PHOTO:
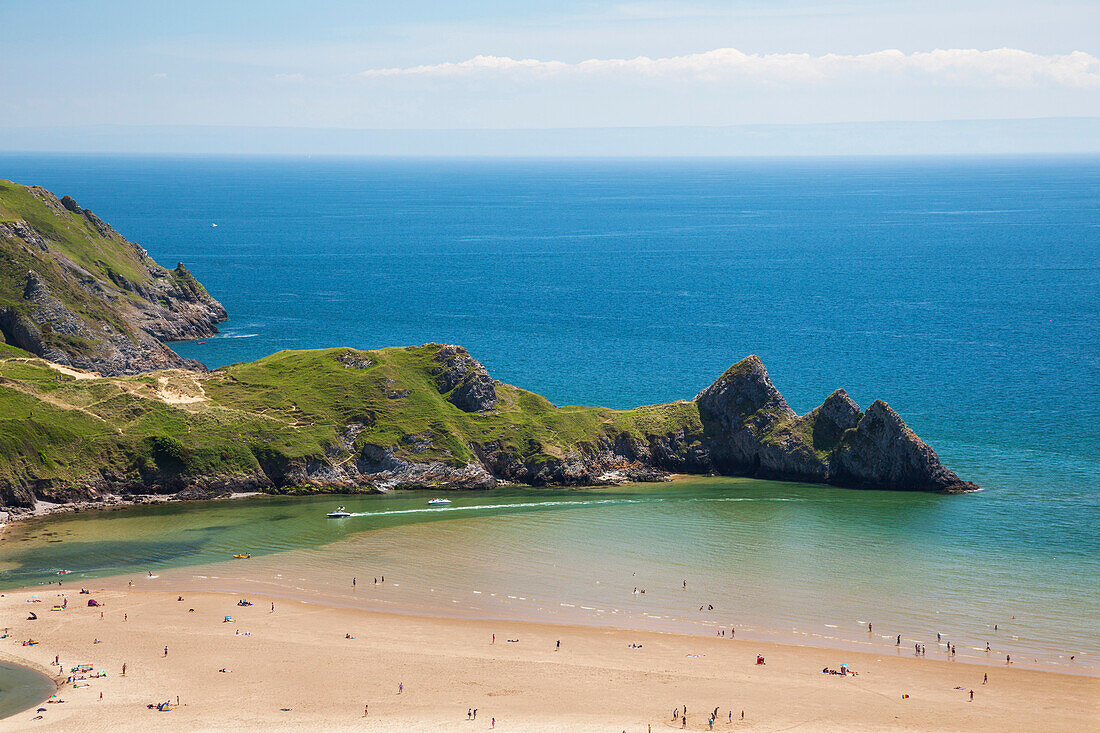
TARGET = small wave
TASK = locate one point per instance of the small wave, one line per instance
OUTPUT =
(237, 335)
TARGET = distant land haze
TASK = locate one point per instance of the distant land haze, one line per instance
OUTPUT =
(1050, 135)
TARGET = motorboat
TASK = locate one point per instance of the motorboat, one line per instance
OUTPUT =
(340, 513)
(438, 502)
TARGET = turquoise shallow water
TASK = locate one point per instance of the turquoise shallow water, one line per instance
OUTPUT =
(776, 560)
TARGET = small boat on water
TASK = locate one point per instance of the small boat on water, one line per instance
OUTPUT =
(339, 514)
(241, 557)
(438, 502)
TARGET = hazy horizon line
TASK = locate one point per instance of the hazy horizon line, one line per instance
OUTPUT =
(980, 136)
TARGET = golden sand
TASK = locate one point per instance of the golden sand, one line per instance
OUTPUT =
(298, 657)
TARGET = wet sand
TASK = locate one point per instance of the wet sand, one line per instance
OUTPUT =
(298, 657)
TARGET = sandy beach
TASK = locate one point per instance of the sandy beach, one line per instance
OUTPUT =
(295, 667)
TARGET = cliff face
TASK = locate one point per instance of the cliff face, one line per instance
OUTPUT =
(75, 292)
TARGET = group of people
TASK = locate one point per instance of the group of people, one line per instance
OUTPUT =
(680, 715)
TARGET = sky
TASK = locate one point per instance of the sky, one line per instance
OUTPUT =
(446, 65)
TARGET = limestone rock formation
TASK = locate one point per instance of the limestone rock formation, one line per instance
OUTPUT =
(468, 383)
(752, 431)
(883, 453)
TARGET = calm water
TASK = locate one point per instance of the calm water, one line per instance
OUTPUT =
(966, 292)
(22, 688)
(777, 560)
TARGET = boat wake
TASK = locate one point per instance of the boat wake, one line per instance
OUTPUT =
(480, 507)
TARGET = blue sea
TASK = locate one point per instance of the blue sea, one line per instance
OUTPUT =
(963, 291)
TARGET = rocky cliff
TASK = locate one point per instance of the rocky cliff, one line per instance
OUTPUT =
(340, 420)
(75, 292)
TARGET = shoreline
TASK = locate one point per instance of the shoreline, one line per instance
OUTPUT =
(299, 657)
(263, 575)
(184, 580)
(110, 503)
(114, 502)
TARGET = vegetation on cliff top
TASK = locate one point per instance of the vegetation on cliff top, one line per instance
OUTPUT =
(56, 430)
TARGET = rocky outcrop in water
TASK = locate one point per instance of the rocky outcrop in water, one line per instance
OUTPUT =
(752, 431)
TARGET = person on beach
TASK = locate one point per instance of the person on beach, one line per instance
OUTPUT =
(493, 723)
(675, 713)
(683, 721)
(899, 641)
(557, 647)
(400, 687)
(124, 669)
(971, 696)
(366, 709)
(475, 713)
(494, 641)
(985, 678)
(868, 627)
(469, 713)
(354, 581)
(166, 651)
(1008, 659)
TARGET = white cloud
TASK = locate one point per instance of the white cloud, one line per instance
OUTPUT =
(1002, 66)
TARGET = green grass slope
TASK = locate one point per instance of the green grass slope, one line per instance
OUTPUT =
(260, 422)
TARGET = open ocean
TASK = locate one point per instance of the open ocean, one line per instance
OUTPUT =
(963, 291)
